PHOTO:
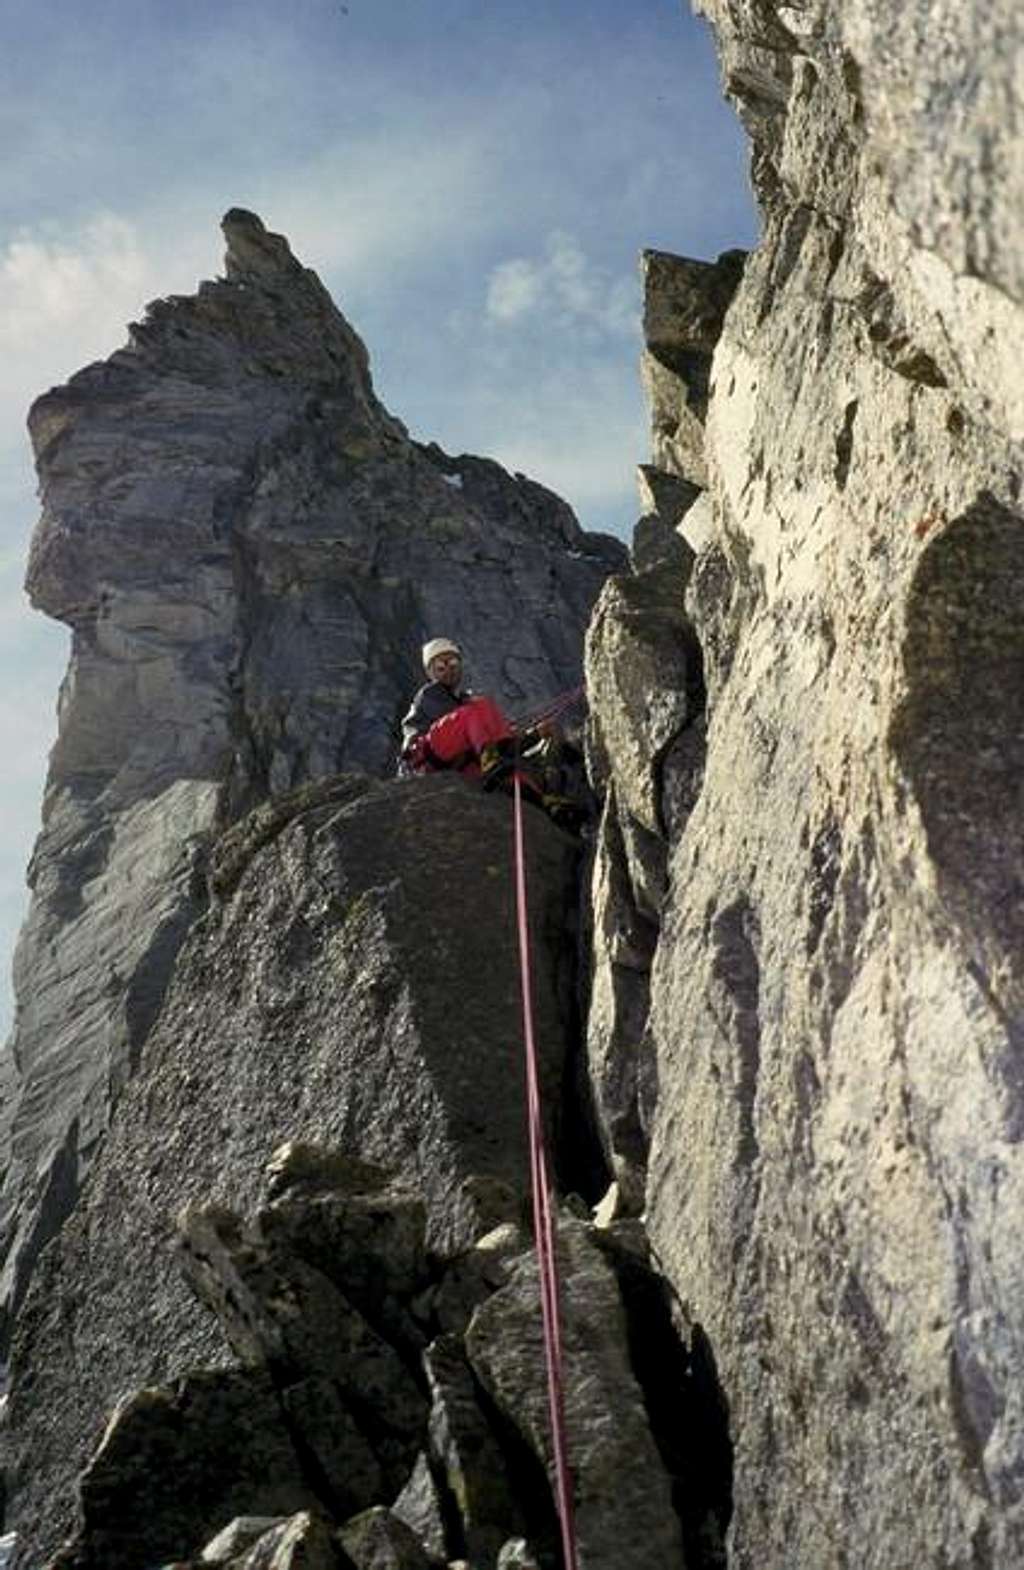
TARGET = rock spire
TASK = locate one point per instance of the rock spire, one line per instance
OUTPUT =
(249, 551)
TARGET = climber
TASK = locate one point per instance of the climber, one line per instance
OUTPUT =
(449, 727)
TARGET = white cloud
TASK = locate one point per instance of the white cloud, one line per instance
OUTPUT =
(51, 281)
(68, 291)
(564, 288)
(513, 289)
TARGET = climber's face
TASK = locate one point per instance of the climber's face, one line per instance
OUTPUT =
(447, 669)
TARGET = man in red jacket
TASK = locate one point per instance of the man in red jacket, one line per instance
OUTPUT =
(449, 727)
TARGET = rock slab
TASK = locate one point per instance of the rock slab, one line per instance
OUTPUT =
(332, 997)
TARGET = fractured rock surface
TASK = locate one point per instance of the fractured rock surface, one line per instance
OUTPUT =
(645, 685)
(623, 1505)
(249, 551)
(326, 999)
(837, 1004)
(808, 1005)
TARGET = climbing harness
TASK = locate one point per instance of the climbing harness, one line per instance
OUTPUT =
(543, 1219)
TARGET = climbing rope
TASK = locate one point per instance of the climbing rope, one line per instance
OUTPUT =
(554, 709)
(543, 1217)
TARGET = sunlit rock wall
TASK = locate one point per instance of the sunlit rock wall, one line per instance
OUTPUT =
(836, 1177)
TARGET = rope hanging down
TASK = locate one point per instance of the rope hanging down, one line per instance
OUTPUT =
(543, 1219)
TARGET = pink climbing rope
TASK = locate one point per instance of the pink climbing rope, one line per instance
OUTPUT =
(552, 709)
(543, 1219)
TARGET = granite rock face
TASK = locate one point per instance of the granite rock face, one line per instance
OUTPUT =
(623, 1506)
(836, 1178)
(645, 684)
(325, 998)
(807, 1010)
(249, 551)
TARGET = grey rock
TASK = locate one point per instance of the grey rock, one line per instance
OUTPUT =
(656, 543)
(378, 1540)
(471, 1277)
(645, 684)
(325, 1001)
(419, 1505)
(311, 1169)
(697, 526)
(122, 893)
(836, 1003)
(281, 1313)
(357, 1459)
(685, 301)
(177, 1462)
(623, 1503)
(516, 1554)
(495, 1204)
(945, 127)
(466, 1455)
(677, 426)
(236, 1537)
(305, 1542)
(249, 551)
(624, 942)
(665, 495)
(371, 1246)
(644, 681)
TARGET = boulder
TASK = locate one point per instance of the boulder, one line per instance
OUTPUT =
(236, 1537)
(685, 301)
(371, 1246)
(378, 1540)
(283, 1314)
(326, 1000)
(305, 1542)
(421, 1507)
(178, 1461)
(516, 1554)
(475, 1473)
(622, 1494)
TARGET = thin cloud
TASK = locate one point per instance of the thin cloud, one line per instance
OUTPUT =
(50, 281)
(514, 289)
(69, 291)
(565, 287)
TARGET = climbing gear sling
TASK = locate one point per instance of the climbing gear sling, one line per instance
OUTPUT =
(543, 1218)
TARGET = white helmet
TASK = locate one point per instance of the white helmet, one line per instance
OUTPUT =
(438, 646)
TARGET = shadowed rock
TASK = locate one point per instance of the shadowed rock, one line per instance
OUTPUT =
(623, 1505)
(249, 551)
(176, 1463)
(378, 1540)
(302, 1543)
(645, 749)
(333, 998)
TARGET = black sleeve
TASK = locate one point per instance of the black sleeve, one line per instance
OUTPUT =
(428, 705)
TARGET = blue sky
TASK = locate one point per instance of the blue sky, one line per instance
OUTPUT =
(473, 182)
